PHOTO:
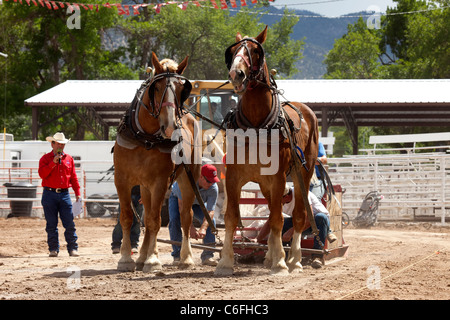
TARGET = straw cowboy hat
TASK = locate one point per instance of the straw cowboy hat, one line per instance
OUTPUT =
(58, 137)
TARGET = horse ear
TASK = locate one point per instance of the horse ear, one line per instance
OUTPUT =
(158, 67)
(182, 65)
(238, 37)
(262, 36)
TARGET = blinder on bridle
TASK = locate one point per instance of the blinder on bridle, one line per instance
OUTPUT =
(254, 69)
(155, 108)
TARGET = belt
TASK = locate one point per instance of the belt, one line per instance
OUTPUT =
(57, 190)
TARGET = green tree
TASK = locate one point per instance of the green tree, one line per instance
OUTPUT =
(203, 33)
(43, 51)
(282, 51)
(356, 55)
(413, 42)
(427, 43)
(395, 27)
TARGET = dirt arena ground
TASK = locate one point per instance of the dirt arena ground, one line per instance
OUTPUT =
(389, 262)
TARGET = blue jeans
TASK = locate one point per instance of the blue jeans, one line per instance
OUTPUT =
(53, 203)
(323, 225)
(135, 231)
(175, 228)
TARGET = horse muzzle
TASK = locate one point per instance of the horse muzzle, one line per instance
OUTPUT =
(238, 79)
(167, 119)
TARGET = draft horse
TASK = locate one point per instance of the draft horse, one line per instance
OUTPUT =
(259, 108)
(143, 156)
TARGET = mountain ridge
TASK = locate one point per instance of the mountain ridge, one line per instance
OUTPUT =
(318, 32)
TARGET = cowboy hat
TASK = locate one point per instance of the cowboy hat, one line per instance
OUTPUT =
(58, 137)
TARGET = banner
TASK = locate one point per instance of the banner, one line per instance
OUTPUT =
(127, 9)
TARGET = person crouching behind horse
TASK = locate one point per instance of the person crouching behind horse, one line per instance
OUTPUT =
(321, 217)
(57, 171)
(207, 184)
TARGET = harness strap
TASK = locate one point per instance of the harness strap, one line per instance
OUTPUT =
(304, 191)
(197, 114)
(133, 208)
(328, 184)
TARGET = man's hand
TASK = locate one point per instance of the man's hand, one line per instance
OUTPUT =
(197, 234)
(193, 232)
(201, 233)
(57, 158)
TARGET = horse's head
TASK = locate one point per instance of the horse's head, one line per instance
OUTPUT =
(167, 92)
(245, 60)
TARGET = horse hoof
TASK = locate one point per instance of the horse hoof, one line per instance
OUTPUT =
(267, 263)
(279, 271)
(152, 267)
(223, 271)
(128, 266)
(185, 265)
(296, 268)
(139, 266)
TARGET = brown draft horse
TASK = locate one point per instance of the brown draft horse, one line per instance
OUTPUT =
(259, 108)
(142, 156)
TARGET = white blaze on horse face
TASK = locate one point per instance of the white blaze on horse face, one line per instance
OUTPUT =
(237, 74)
(167, 117)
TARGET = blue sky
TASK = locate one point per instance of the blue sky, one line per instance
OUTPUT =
(334, 7)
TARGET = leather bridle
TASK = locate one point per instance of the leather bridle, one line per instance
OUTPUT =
(255, 68)
(154, 109)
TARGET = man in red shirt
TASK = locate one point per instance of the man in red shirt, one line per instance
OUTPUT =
(57, 171)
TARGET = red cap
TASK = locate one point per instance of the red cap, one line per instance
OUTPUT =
(210, 173)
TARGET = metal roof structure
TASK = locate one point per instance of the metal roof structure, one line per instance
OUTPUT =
(101, 103)
(87, 93)
(349, 103)
(368, 91)
(375, 102)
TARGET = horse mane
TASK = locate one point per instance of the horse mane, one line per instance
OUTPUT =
(169, 65)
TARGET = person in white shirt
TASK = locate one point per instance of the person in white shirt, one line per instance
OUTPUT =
(321, 217)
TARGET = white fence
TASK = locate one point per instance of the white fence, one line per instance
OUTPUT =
(412, 184)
